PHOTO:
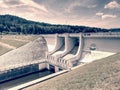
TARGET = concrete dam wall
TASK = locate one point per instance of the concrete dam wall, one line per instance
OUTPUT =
(87, 46)
(109, 44)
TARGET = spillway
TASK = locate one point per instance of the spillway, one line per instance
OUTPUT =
(59, 46)
(69, 45)
(91, 46)
(51, 41)
(94, 55)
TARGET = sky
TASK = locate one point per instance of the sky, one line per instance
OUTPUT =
(93, 13)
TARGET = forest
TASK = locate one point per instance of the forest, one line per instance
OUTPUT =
(10, 24)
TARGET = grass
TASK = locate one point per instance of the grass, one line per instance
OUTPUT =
(102, 74)
(16, 41)
(3, 50)
(21, 37)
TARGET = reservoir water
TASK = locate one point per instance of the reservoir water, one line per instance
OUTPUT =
(27, 78)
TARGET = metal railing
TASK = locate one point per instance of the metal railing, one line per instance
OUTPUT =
(106, 34)
(99, 34)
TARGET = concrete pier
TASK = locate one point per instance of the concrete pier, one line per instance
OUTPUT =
(59, 43)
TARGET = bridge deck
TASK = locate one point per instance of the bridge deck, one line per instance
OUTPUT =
(105, 34)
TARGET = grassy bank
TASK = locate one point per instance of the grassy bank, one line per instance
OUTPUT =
(15, 41)
(3, 50)
(103, 74)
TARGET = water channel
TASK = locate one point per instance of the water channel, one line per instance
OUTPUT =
(11, 83)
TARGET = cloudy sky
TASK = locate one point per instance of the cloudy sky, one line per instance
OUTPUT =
(94, 13)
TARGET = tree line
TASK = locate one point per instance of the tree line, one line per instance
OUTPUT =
(17, 25)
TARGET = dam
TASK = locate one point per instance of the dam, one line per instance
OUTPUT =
(65, 51)
(73, 49)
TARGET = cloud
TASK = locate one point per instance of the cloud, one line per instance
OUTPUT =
(99, 14)
(112, 5)
(7, 4)
(33, 4)
(14, 3)
(24, 8)
(87, 4)
(74, 12)
(2, 4)
(72, 6)
(92, 6)
(104, 16)
(108, 16)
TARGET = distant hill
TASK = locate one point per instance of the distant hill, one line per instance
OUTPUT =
(14, 24)
(115, 30)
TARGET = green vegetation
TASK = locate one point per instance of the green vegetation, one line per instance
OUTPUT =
(102, 74)
(15, 25)
(3, 50)
(15, 41)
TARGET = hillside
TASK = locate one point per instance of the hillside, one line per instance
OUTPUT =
(100, 75)
(14, 24)
(115, 30)
(11, 42)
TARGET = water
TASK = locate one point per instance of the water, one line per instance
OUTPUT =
(18, 81)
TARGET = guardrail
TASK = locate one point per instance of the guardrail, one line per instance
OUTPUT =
(108, 34)
(103, 34)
